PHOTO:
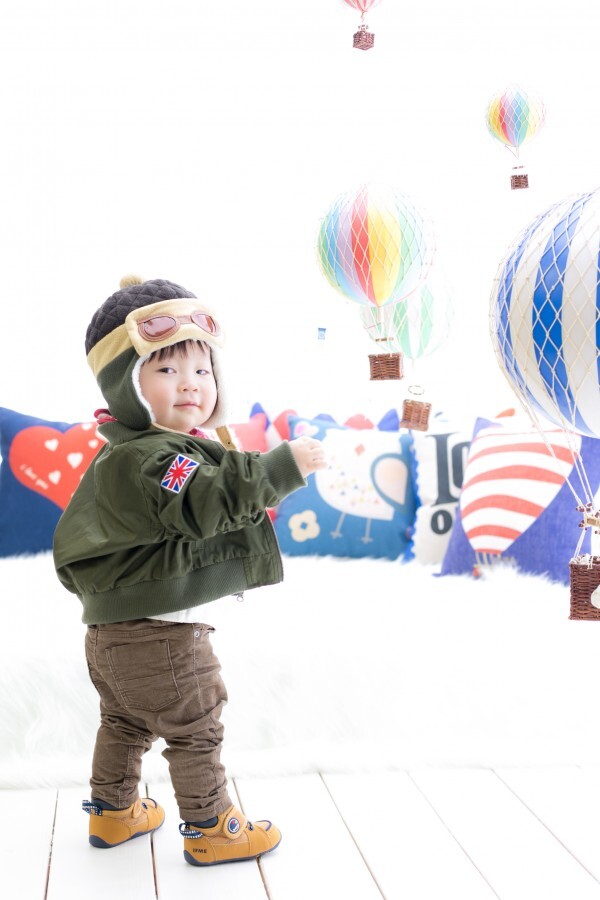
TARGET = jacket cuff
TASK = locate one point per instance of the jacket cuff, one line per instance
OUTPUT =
(282, 471)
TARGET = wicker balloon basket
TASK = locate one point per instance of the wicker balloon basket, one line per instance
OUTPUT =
(584, 572)
(363, 38)
(519, 179)
(386, 366)
(415, 415)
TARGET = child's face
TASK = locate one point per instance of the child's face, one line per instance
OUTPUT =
(182, 390)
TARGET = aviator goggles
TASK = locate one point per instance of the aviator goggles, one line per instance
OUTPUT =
(157, 328)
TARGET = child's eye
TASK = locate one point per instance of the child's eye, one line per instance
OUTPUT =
(202, 372)
(167, 370)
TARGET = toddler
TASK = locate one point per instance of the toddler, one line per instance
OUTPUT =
(166, 520)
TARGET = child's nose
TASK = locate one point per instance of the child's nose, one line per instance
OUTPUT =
(188, 384)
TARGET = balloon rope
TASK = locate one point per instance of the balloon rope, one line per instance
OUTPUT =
(580, 542)
(380, 335)
(381, 328)
(583, 478)
(578, 465)
(415, 388)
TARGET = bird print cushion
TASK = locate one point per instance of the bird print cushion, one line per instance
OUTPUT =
(363, 504)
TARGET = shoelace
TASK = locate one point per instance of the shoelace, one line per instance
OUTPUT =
(93, 809)
(188, 831)
(90, 808)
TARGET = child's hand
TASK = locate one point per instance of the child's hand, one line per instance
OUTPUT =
(308, 455)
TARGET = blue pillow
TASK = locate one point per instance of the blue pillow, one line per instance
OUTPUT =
(515, 504)
(363, 504)
(41, 464)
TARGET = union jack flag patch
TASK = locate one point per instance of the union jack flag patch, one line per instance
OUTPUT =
(178, 473)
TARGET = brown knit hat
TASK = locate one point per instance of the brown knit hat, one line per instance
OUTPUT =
(133, 294)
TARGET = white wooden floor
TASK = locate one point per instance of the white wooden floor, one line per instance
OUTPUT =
(457, 834)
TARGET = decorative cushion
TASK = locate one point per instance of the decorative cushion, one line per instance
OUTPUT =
(42, 464)
(363, 504)
(439, 459)
(516, 504)
(278, 429)
(251, 435)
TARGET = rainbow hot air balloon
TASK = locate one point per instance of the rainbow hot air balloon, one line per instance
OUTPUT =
(514, 116)
(374, 246)
(363, 39)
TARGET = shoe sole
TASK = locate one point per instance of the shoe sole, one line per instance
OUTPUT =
(100, 844)
(219, 862)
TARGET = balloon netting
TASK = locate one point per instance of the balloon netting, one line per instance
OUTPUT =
(374, 246)
(362, 6)
(514, 115)
(545, 322)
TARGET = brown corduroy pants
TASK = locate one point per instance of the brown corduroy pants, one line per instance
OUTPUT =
(158, 679)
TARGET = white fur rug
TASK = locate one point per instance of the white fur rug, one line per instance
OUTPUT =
(348, 665)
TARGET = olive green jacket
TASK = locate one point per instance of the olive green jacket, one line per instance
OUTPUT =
(130, 547)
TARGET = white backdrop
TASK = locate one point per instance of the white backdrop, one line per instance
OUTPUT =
(203, 142)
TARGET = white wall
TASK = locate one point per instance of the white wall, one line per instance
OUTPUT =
(202, 142)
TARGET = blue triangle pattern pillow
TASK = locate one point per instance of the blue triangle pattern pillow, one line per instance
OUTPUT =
(516, 503)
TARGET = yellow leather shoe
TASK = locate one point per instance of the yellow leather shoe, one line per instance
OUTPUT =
(109, 828)
(232, 839)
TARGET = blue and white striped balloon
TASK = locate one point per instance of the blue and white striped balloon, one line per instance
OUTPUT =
(545, 314)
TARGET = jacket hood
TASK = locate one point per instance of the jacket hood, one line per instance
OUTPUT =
(120, 338)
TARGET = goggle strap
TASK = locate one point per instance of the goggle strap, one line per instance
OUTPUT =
(224, 436)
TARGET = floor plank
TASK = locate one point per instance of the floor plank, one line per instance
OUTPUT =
(515, 834)
(176, 878)
(124, 872)
(514, 851)
(317, 857)
(24, 862)
(400, 836)
(567, 801)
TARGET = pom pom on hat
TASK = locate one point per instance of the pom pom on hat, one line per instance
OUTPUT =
(129, 280)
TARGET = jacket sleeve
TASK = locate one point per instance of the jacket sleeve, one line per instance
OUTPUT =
(219, 496)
